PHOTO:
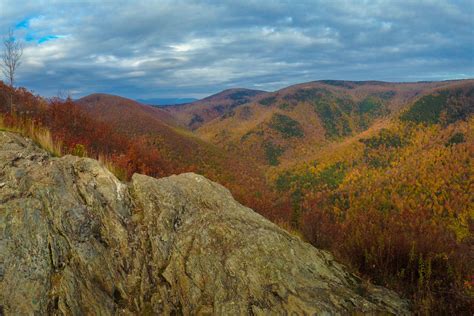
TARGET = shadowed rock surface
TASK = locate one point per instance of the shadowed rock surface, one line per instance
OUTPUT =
(75, 240)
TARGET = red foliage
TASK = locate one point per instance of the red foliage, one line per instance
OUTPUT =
(138, 139)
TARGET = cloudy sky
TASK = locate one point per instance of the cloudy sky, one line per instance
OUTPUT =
(145, 49)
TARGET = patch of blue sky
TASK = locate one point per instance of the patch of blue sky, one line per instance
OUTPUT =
(29, 37)
(47, 38)
(23, 24)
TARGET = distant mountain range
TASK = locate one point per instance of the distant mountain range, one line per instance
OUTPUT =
(166, 101)
(289, 125)
(198, 113)
(292, 124)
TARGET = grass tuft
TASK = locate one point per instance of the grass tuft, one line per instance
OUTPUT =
(120, 173)
(40, 135)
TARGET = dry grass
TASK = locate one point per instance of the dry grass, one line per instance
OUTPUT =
(40, 135)
(120, 173)
(45, 140)
(290, 229)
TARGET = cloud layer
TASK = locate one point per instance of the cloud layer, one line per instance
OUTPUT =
(144, 49)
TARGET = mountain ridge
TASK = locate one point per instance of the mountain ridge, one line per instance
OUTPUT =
(163, 102)
(195, 114)
(318, 112)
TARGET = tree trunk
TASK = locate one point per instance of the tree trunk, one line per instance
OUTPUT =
(11, 103)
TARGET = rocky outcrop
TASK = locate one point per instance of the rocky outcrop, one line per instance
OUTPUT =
(75, 240)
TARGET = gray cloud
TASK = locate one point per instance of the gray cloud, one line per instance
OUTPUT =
(144, 49)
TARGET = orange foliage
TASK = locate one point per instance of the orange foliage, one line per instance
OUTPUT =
(138, 144)
(403, 213)
(397, 205)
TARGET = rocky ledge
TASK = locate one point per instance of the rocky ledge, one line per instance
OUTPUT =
(75, 240)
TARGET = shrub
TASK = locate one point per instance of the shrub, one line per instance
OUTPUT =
(79, 150)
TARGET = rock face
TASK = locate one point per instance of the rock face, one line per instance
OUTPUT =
(75, 240)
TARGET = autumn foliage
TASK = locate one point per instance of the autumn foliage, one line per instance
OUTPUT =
(400, 211)
(396, 204)
(135, 144)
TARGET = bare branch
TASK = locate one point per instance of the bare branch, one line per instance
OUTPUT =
(11, 57)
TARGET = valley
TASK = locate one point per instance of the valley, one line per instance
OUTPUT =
(380, 174)
(367, 170)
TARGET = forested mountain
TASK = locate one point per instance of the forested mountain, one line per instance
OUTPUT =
(294, 123)
(379, 173)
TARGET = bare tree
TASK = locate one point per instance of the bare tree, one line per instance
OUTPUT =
(12, 52)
